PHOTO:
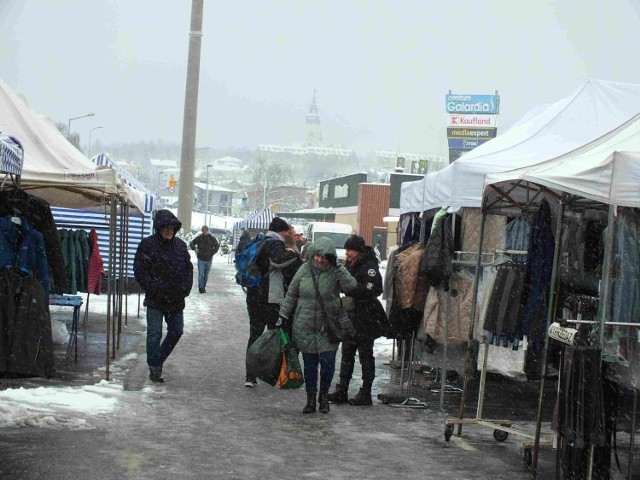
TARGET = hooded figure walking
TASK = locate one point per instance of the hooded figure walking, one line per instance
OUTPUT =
(162, 266)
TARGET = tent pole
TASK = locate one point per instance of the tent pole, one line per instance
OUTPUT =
(126, 263)
(467, 363)
(109, 286)
(141, 237)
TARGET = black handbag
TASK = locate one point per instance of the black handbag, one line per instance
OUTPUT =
(338, 328)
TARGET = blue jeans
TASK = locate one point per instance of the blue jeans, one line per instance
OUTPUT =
(327, 361)
(157, 353)
(204, 267)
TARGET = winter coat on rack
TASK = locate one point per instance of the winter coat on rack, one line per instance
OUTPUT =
(25, 327)
(19, 203)
(538, 269)
(96, 265)
(368, 316)
(22, 247)
(411, 287)
(439, 254)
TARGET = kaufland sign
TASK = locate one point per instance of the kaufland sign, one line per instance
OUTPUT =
(455, 120)
(472, 104)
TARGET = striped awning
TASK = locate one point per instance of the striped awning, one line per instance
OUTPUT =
(11, 155)
(258, 219)
(149, 199)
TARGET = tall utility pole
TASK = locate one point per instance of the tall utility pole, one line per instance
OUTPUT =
(185, 198)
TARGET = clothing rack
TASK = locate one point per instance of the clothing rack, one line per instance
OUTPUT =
(501, 427)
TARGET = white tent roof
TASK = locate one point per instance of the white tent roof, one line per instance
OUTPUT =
(606, 170)
(594, 109)
(53, 169)
(256, 219)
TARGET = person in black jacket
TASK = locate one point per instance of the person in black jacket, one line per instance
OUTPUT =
(279, 264)
(206, 246)
(162, 266)
(369, 321)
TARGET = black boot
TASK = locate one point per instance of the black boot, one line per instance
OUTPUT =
(339, 395)
(323, 399)
(310, 407)
(363, 397)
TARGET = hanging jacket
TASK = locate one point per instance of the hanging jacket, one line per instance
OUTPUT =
(38, 212)
(22, 247)
(439, 253)
(163, 267)
(96, 265)
(411, 289)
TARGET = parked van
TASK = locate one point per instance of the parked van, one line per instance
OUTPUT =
(338, 232)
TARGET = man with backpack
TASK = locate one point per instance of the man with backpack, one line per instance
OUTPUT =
(277, 265)
(206, 246)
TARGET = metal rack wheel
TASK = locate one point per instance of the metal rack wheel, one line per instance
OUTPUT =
(448, 431)
(500, 436)
(527, 456)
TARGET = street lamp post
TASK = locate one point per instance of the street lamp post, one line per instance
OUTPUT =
(76, 118)
(89, 148)
(206, 201)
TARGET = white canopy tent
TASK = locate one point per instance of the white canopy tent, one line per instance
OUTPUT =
(606, 170)
(53, 169)
(595, 108)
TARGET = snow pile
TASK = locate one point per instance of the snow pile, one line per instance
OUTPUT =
(57, 406)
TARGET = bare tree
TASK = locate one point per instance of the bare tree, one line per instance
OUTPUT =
(267, 176)
(74, 138)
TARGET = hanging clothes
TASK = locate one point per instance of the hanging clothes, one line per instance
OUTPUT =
(22, 247)
(518, 233)
(438, 255)
(504, 307)
(31, 351)
(96, 265)
(494, 231)
(538, 271)
(17, 202)
(411, 288)
(625, 294)
(435, 312)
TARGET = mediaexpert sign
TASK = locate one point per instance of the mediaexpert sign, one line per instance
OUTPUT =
(454, 132)
(479, 104)
(466, 143)
(456, 120)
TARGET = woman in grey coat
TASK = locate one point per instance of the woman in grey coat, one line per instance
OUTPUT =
(302, 305)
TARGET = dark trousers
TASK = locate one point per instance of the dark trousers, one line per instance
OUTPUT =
(261, 315)
(327, 361)
(367, 361)
(157, 353)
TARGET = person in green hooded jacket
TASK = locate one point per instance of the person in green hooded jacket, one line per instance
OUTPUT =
(306, 310)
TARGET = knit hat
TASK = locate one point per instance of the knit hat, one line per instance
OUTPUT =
(355, 242)
(278, 225)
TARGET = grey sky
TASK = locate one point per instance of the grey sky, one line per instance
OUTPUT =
(381, 68)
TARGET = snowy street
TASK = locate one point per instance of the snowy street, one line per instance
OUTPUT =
(203, 423)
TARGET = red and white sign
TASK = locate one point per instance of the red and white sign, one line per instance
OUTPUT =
(471, 120)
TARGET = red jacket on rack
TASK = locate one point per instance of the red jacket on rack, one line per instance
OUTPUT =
(96, 268)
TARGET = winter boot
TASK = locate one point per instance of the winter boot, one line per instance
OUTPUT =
(310, 407)
(339, 395)
(363, 397)
(324, 401)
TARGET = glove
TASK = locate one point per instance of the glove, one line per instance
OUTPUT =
(282, 320)
(332, 259)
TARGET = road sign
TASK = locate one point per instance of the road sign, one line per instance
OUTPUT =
(172, 182)
(171, 189)
(468, 132)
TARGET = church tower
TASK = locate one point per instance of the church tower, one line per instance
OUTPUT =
(313, 132)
